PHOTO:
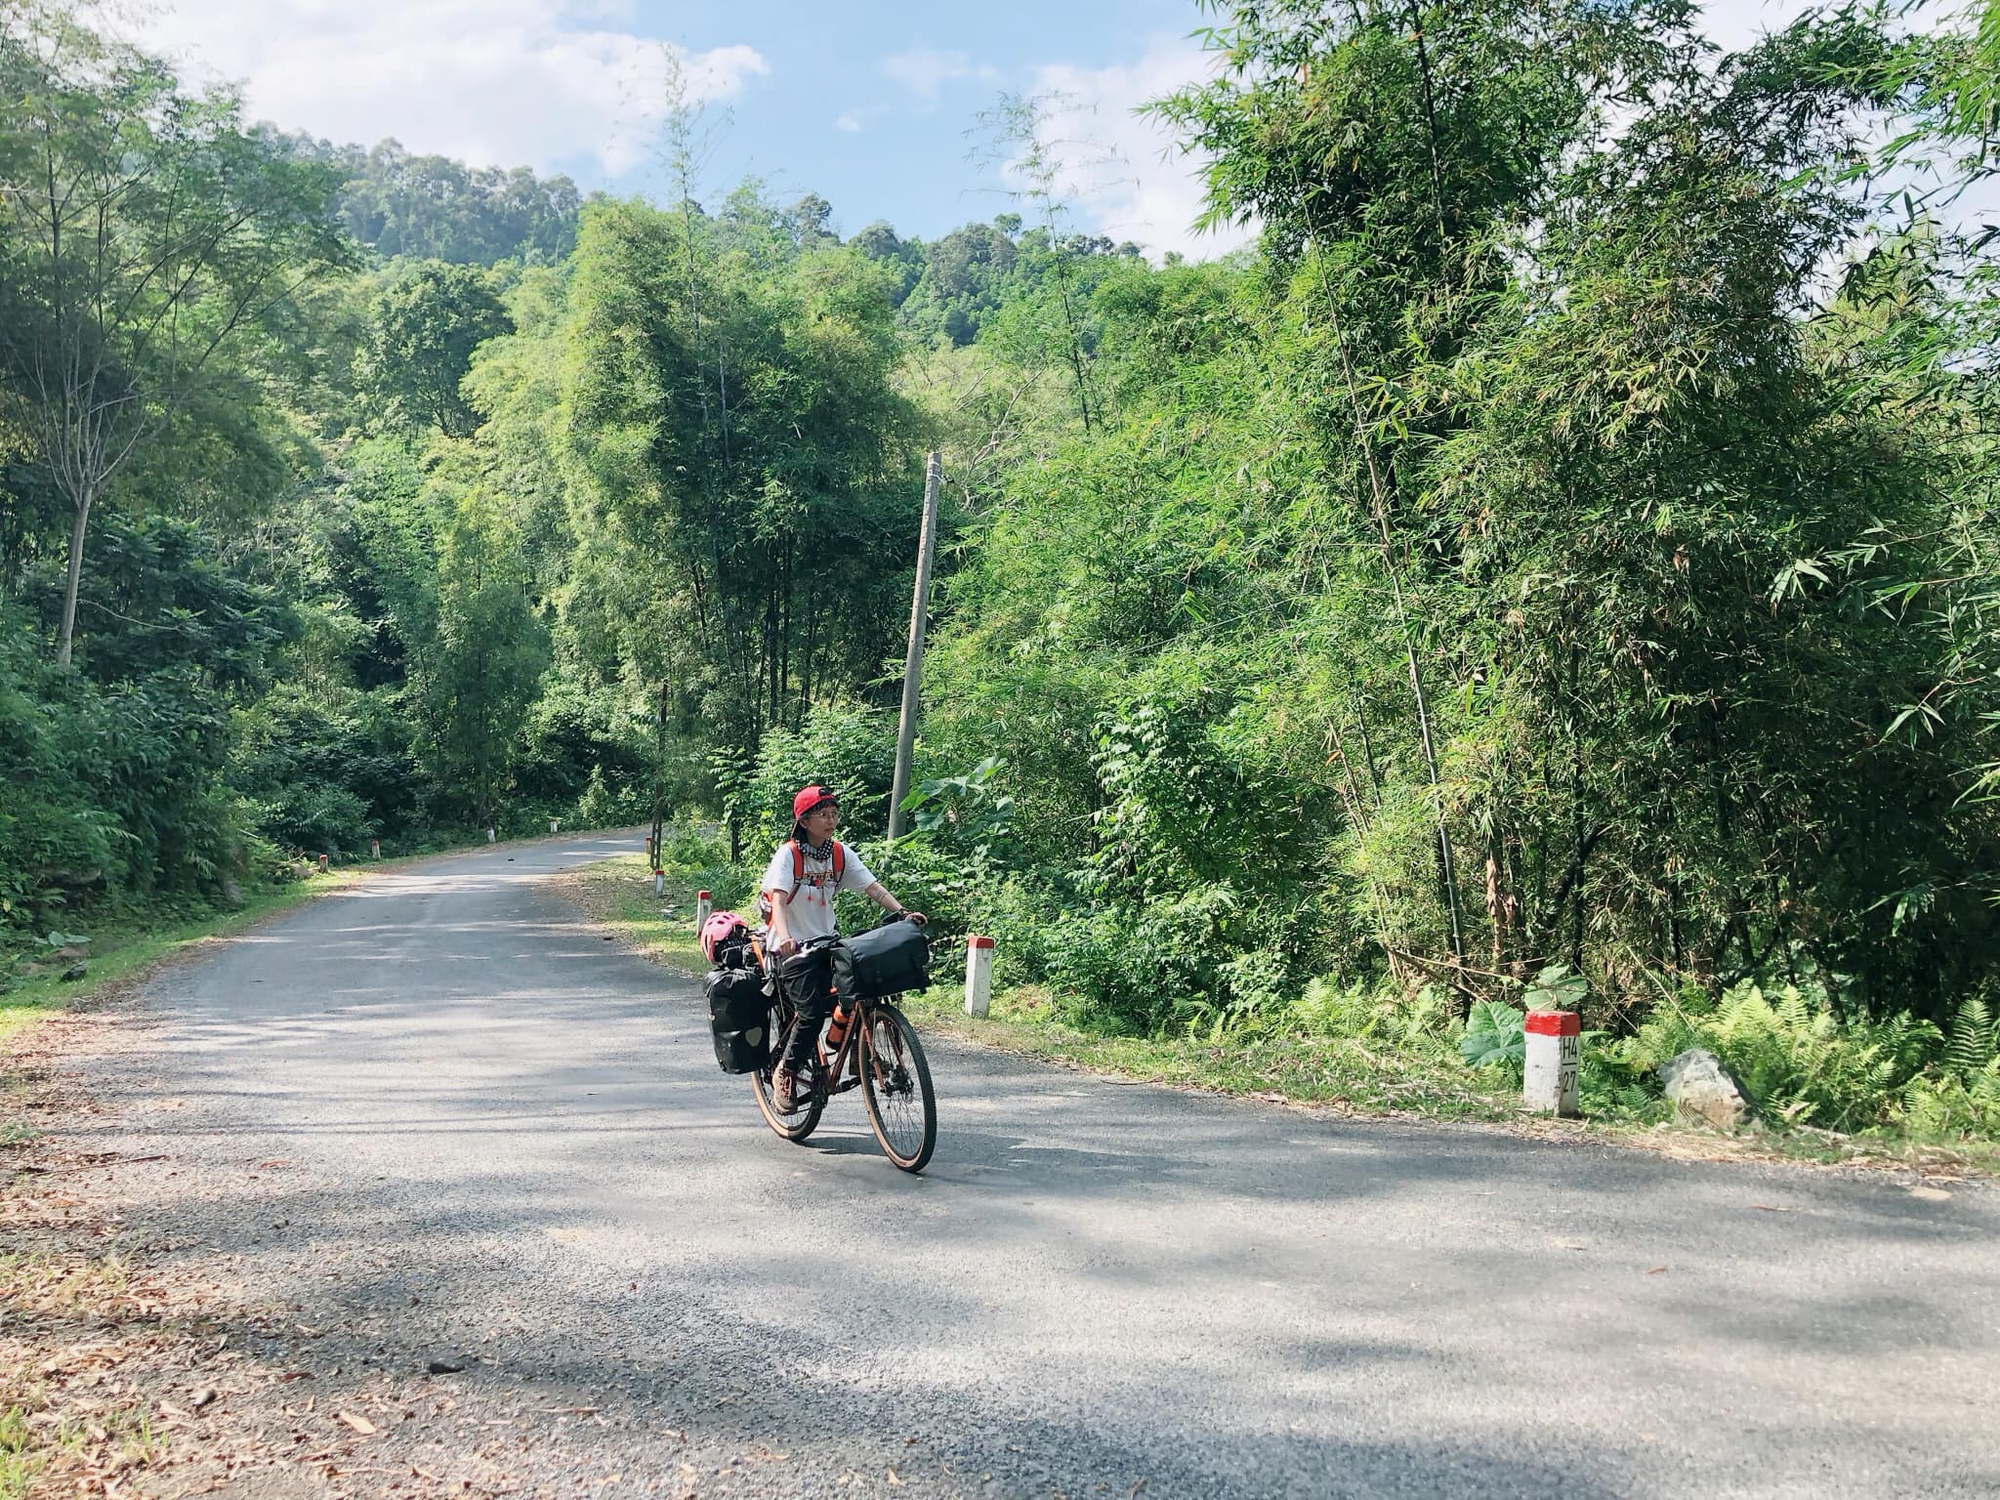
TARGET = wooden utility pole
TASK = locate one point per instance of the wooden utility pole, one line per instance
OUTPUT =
(913, 664)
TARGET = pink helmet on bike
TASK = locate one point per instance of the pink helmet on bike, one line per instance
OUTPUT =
(721, 927)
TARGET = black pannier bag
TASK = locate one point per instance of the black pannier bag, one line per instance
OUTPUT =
(739, 1014)
(892, 959)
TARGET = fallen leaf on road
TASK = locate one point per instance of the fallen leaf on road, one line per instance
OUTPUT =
(1654, 1270)
(892, 1477)
(1930, 1194)
(1769, 1208)
(360, 1424)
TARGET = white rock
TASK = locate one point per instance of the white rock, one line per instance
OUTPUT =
(1703, 1089)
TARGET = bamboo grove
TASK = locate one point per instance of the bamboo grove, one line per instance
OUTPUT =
(1564, 541)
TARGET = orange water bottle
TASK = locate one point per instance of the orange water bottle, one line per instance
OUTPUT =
(836, 1027)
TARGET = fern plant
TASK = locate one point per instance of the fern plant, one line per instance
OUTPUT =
(1800, 1063)
(1959, 1096)
(1975, 1038)
(1942, 1106)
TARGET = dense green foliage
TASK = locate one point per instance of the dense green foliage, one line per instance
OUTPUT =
(1556, 565)
(433, 208)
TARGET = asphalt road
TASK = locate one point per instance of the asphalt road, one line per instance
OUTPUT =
(476, 1129)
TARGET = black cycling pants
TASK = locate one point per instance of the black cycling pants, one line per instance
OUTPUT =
(808, 979)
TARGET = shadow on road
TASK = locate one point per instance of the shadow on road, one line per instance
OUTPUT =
(441, 1088)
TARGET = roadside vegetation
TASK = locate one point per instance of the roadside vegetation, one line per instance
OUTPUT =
(1821, 1090)
(1556, 565)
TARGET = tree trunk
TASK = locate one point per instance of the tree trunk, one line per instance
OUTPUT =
(66, 636)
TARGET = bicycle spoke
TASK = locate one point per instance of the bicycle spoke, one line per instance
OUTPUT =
(898, 1092)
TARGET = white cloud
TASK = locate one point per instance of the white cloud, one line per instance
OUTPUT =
(494, 82)
(1149, 192)
(848, 120)
(924, 71)
(1153, 193)
(1735, 24)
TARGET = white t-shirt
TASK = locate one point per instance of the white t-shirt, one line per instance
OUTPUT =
(809, 913)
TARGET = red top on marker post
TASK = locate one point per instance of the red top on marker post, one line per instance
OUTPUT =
(1554, 1023)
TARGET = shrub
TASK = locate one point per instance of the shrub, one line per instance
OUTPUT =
(325, 770)
(1959, 1096)
(851, 750)
(603, 805)
(1799, 1061)
(578, 748)
(316, 817)
(1495, 1036)
(1133, 970)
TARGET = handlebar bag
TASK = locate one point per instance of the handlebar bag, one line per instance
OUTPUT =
(739, 1016)
(892, 959)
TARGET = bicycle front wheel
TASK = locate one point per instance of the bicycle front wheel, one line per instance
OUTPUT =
(896, 1082)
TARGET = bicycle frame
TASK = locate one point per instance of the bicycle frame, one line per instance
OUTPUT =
(842, 1071)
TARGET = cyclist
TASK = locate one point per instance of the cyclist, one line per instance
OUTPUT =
(808, 870)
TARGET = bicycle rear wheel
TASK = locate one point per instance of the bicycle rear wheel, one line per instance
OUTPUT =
(802, 1122)
(896, 1082)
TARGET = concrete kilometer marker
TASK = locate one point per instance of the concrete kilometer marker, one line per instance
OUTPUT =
(978, 974)
(1555, 1045)
(702, 906)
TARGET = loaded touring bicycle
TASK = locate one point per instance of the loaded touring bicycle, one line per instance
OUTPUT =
(866, 1043)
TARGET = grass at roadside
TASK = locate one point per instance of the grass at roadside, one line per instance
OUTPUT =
(1353, 1075)
(618, 893)
(1339, 1072)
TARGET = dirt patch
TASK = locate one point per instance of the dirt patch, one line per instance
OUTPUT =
(129, 1367)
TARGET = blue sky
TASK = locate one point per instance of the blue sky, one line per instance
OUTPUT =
(867, 103)
(870, 105)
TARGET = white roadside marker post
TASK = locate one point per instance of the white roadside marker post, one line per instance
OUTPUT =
(978, 974)
(489, 835)
(374, 848)
(659, 882)
(322, 864)
(1555, 1045)
(552, 824)
(702, 906)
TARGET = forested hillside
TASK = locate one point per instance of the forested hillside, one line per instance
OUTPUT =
(1557, 562)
